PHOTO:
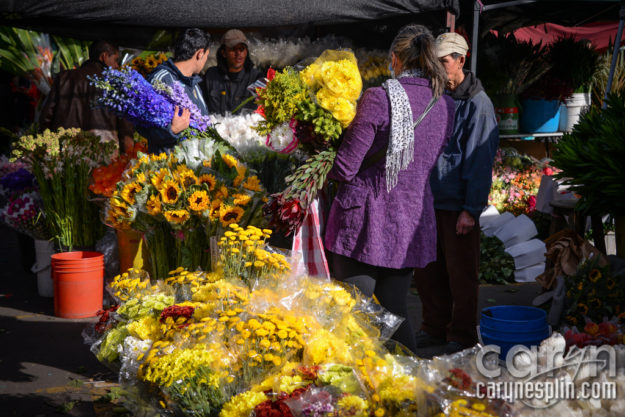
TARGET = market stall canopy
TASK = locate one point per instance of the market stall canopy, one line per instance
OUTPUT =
(123, 19)
(507, 16)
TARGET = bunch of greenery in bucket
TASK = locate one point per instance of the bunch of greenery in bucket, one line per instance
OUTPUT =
(593, 293)
(496, 266)
(591, 162)
(573, 62)
(509, 66)
(179, 201)
(61, 162)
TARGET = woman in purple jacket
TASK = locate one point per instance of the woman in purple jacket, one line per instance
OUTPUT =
(381, 225)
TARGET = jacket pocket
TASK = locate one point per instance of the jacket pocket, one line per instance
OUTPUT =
(448, 163)
(350, 206)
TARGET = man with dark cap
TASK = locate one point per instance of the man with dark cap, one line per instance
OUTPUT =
(226, 85)
(70, 102)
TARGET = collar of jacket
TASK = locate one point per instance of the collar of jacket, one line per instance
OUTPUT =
(469, 87)
(191, 81)
(414, 81)
(93, 62)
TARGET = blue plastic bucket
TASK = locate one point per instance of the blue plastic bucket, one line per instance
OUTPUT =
(539, 116)
(507, 326)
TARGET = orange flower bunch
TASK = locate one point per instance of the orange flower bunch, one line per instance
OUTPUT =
(105, 178)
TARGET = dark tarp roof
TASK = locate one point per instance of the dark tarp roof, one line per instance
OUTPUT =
(138, 20)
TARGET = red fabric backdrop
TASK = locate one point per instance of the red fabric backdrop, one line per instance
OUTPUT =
(600, 33)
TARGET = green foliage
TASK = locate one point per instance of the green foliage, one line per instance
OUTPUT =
(591, 158)
(509, 66)
(280, 99)
(600, 78)
(324, 124)
(496, 266)
(310, 177)
(573, 62)
(197, 396)
(71, 53)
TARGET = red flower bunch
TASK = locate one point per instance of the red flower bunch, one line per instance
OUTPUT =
(278, 407)
(271, 73)
(176, 312)
(105, 178)
(284, 214)
(103, 323)
(459, 379)
(593, 334)
(309, 372)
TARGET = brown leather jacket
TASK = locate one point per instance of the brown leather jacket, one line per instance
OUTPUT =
(71, 103)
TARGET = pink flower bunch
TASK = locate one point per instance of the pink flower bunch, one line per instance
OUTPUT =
(8, 167)
(23, 213)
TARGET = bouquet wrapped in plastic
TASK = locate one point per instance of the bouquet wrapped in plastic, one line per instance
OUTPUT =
(307, 111)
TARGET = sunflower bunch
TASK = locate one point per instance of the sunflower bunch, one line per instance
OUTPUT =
(147, 62)
(179, 206)
(593, 293)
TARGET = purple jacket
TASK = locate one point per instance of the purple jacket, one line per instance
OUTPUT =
(366, 223)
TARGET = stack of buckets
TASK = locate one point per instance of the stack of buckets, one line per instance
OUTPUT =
(507, 326)
(78, 283)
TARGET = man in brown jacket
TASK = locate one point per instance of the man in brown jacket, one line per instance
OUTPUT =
(72, 97)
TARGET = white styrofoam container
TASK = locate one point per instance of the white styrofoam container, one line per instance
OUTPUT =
(487, 216)
(495, 222)
(530, 273)
(527, 253)
(517, 230)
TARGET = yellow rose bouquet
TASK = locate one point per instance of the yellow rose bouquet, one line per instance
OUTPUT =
(307, 111)
(179, 201)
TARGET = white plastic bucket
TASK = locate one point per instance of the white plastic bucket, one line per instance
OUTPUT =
(571, 110)
(44, 249)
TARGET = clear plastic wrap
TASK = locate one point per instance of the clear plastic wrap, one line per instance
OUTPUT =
(107, 245)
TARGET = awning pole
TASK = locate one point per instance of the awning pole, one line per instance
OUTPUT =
(476, 30)
(617, 46)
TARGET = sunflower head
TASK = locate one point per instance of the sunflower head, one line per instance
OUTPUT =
(208, 179)
(241, 199)
(154, 205)
(129, 191)
(582, 308)
(595, 275)
(177, 216)
(170, 191)
(157, 179)
(187, 178)
(252, 183)
(230, 214)
(610, 284)
(215, 205)
(222, 193)
(198, 201)
(230, 160)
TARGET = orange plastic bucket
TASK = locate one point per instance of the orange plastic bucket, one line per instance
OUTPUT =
(78, 284)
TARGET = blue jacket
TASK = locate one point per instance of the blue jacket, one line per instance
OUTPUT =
(163, 139)
(462, 176)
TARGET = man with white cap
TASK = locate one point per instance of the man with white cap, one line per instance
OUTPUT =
(460, 183)
(225, 85)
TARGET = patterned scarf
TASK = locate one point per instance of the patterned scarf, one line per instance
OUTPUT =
(400, 152)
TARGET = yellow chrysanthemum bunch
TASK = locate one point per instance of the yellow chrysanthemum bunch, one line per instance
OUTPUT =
(244, 255)
(130, 284)
(335, 81)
